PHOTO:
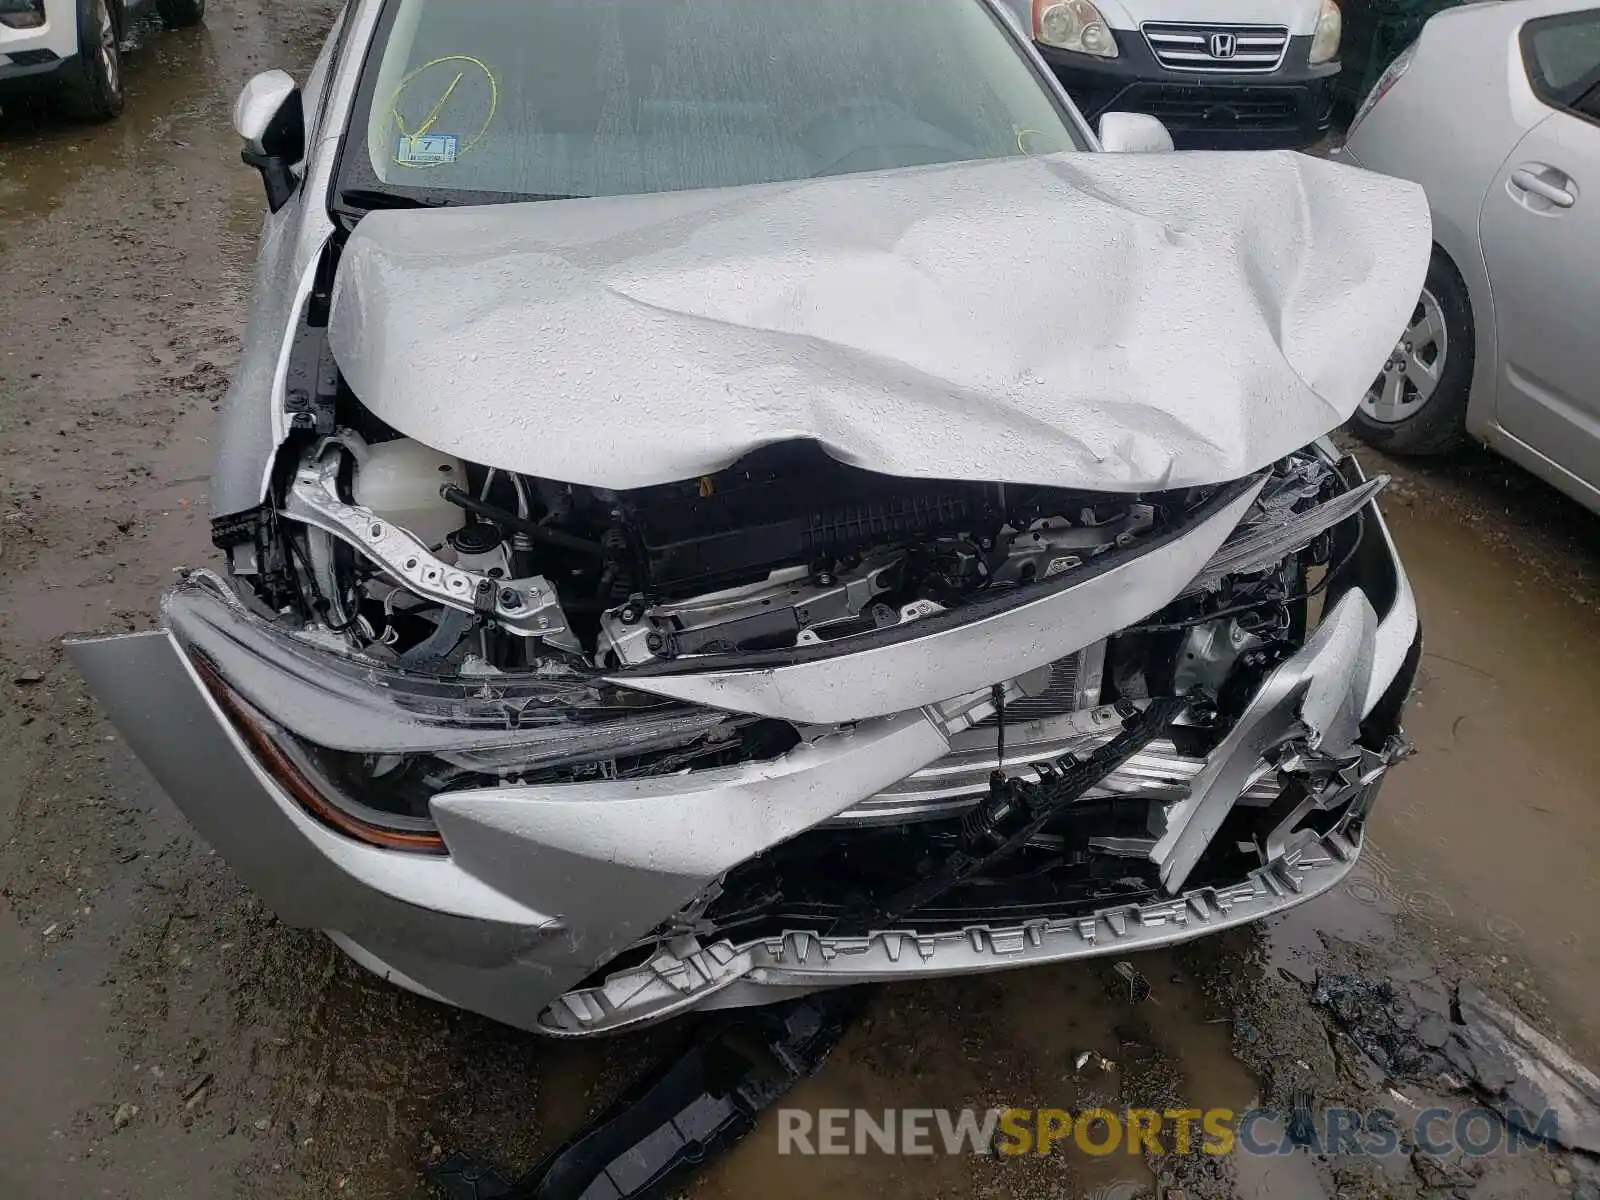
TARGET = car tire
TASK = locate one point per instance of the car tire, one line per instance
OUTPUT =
(1395, 415)
(180, 14)
(92, 89)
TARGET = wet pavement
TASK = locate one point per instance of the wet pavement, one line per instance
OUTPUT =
(166, 1037)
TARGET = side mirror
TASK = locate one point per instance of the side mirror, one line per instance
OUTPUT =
(270, 118)
(1133, 133)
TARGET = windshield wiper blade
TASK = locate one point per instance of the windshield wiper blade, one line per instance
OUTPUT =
(369, 199)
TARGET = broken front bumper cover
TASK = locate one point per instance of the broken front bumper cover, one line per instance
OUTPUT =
(539, 886)
(687, 976)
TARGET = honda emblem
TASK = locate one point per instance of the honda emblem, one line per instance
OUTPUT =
(1224, 45)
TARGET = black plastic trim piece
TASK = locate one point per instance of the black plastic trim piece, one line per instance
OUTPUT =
(687, 1109)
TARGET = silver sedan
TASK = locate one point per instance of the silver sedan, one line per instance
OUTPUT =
(1495, 111)
(704, 523)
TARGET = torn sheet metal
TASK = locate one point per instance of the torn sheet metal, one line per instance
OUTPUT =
(1316, 695)
(1126, 322)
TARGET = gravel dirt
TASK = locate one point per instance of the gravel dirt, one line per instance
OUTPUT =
(167, 1037)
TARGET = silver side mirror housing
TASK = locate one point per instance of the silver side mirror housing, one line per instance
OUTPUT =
(270, 120)
(1133, 133)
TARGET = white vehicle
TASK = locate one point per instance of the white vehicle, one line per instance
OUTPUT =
(74, 47)
(1495, 111)
(1220, 74)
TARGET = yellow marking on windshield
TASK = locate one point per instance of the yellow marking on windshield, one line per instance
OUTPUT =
(432, 118)
(1021, 143)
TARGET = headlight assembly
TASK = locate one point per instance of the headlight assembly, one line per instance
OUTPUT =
(22, 14)
(1074, 25)
(1330, 28)
(365, 747)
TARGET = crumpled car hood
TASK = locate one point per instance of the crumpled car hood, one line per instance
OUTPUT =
(1111, 322)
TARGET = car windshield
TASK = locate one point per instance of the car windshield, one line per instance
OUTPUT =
(467, 99)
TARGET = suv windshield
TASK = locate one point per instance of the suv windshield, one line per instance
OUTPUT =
(465, 100)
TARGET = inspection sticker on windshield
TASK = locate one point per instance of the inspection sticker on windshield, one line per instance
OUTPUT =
(429, 150)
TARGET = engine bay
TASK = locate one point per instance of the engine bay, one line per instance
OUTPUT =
(411, 558)
(420, 558)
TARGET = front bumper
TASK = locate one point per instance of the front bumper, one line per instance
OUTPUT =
(35, 56)
(687, 977)
(31, 74)
(1289, 108)
(544, 886)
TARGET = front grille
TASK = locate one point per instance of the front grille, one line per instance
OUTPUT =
(1063, 693)
(1208, 108)
(1234, 48)
(959, 780)
(1057, 716)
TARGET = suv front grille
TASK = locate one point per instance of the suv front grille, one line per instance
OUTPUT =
(1242, 49)
(1203, 108)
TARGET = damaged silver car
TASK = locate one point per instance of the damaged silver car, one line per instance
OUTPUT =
(704, 523)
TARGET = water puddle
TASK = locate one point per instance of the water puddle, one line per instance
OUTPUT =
(1492, 832)
(1066, 1037)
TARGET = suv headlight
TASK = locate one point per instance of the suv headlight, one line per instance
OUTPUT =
(22, 14)
(1074, 25)
(1330, 28)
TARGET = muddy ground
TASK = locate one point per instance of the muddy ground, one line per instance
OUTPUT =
(165, 1037)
